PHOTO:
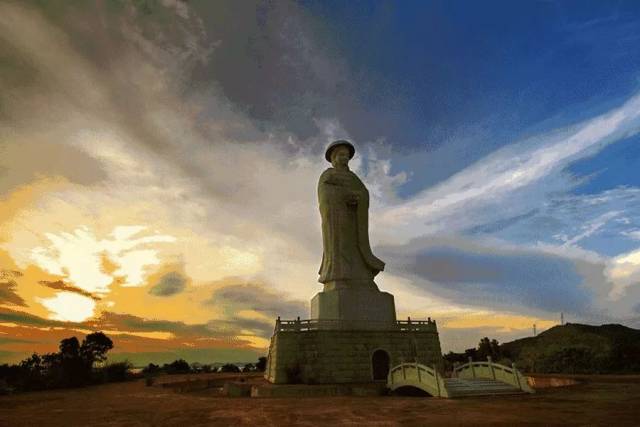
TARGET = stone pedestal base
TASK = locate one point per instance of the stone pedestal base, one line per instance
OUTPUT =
(365, 308)
(346, 356)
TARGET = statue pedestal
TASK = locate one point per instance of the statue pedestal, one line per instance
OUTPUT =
(352, 337)
(362, 308)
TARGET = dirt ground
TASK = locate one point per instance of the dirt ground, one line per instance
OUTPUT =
(604, 401)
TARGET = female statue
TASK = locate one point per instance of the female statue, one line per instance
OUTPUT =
(347, 260)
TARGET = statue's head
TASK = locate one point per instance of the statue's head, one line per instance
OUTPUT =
(339, 153)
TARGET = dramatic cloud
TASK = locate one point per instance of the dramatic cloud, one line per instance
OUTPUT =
(156, 164)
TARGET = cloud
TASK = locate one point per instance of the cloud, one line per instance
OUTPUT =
(217, 330)
(69, 306)
(517, 178)
(27, 159)
(62, 286)
(128, 322)
(169, 284)
(80, 254)
(8, 286)
(490, 276)
(600, 222)
(241, 326)
(23, 318)
(171, 159)
(624, 270)
(234, 298)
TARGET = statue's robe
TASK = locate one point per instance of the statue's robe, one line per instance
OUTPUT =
(346, 252)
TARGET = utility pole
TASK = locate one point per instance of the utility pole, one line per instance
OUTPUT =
(561, 319)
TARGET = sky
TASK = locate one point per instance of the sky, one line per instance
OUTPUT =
(159, 163)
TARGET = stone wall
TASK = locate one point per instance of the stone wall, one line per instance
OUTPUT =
(334, 356)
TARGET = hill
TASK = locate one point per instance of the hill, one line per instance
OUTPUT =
(578, 349)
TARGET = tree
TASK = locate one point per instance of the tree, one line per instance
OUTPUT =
(495, 349)
(262, 364)
(73, 371)
(118, 371)
(70, 348)
(94, 348)
(151, 369)
(33, 363)
(569, 360)
(488, 347)
(249, 367)
(70, 367)
(30, 371)
(179, 366)
(50, 361)
(229, 367)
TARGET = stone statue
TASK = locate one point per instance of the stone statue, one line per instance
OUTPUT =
(347, 260)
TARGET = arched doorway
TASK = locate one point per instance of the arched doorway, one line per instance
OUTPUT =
(380, 365)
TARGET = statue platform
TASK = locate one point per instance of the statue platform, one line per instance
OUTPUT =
(335, 351)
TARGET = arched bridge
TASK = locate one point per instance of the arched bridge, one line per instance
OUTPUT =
(470, 379)
(419, 376)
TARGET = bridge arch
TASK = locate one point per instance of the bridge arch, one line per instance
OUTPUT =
(417, 376)
(411, 390)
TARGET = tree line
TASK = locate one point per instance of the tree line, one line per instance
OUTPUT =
(181, 366)
(78, 364)
(75, 364)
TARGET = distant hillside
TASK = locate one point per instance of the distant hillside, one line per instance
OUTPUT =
(576, 348)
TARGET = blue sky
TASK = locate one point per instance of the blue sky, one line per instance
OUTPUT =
(485, 73)
(475, 76)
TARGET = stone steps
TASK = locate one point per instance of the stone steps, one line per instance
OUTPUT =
(458, 387)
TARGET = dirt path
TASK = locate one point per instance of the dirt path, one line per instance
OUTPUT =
(134, 404)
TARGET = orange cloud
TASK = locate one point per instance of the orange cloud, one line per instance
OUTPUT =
(62, 286)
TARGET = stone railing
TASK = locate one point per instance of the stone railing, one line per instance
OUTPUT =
(494, 371)
(339, 324)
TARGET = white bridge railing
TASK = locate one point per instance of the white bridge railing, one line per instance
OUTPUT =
(339, 324)
(494, 371)
(417, 375)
